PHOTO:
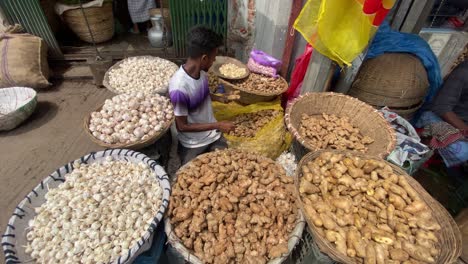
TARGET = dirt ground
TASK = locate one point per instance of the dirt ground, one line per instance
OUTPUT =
(51, 137)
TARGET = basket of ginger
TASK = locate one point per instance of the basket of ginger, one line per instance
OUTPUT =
(337, 121)
(361, 209)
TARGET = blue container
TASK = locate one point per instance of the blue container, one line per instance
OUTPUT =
(153, 255)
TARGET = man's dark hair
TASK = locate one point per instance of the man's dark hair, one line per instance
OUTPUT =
(202, 40)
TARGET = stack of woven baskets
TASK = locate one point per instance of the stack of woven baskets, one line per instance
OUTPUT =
(396, 80)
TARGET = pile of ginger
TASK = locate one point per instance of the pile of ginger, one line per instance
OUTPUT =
(369, 213)
(232, 206)
(330, 131)
(247, 125)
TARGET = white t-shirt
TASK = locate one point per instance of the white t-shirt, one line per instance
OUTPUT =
(191, 98)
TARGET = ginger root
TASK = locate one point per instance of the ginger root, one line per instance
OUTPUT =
(368, 212)
(245, 216)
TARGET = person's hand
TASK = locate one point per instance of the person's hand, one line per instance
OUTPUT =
(226, 126)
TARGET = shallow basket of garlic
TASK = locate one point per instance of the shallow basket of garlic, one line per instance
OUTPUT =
(133, 120)
(101, 208)
(145, 74)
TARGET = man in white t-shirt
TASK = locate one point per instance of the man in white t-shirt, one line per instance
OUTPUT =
(198, 130)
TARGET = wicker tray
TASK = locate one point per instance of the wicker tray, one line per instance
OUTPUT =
(361, 115)
(109, 87)
(186, 254)
(135, 146)
(220, 60)
(449, 236)
(14, 239)
(252, 97)
(16, 105)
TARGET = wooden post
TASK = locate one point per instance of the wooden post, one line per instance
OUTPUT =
(290, 37)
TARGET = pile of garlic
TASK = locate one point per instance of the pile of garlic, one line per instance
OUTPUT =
(128, 118)
(231, 70)
(288, 161)
(146, 74)
(96, 215)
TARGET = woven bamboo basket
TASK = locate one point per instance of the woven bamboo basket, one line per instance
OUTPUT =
(221, 60)
(449, 236)
(187, 255)
(134, 146)
(252, 97)
(361, 115)
(106, 83)
(396, 80)
(14, 239)
(101, 22)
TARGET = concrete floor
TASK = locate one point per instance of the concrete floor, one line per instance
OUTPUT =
(51, 137)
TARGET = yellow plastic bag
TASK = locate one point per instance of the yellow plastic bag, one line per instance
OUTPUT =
(270, 141)
(340, 29)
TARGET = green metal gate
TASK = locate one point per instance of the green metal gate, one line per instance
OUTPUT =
(188, 13)
(29, 14)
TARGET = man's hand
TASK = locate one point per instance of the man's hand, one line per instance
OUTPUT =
(226, 126)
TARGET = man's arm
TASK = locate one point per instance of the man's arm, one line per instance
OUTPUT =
(183, 125)
(449, 96)
(454, 120)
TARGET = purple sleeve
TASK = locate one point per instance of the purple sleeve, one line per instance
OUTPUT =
(180, 101)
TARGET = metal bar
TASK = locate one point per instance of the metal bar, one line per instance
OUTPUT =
(418, 12)
(290, 37)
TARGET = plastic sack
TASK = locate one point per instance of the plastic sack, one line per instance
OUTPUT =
(260, 62)
(270, 141)
(264, 59)
(341, 29)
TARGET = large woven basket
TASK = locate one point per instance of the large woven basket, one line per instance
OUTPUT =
(361, 115)
(252, 97)
(187, 255)
(135, 146)
(14, 239)
(449, 236)
(16, 105)
(101, 22)
(392, 79)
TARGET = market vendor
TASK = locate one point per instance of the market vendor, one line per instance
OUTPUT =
(139, 12)
(198, 131)
(447, 122)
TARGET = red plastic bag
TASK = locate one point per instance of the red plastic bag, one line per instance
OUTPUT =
(297, 76)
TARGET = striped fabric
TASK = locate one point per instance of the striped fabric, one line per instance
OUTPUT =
(139, 9)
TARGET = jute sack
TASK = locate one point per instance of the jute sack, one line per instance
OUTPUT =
(23, 61)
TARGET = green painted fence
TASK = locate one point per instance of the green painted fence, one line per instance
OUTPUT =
(29, 14)
(188, 13)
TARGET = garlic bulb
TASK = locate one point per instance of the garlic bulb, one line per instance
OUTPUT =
(119, 121)
(288, 161)
(96, 215)
(146, 74)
